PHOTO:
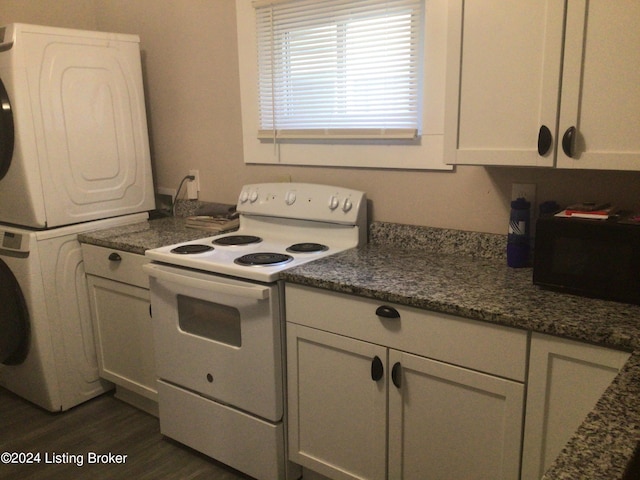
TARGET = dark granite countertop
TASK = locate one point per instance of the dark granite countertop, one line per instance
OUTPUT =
(477, 288)
(436, 276)
(138, 237)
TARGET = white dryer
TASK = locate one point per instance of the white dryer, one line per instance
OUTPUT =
(74, 143)
(47, 349)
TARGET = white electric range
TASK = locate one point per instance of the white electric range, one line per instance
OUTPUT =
(281, 225)
(218, 315)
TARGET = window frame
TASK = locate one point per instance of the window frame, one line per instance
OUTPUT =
(424, 152)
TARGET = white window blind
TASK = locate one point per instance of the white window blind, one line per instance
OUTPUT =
(347, 69)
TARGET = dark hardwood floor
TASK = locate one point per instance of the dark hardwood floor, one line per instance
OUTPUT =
(103, 425)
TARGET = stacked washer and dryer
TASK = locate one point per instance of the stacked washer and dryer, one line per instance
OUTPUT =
(74, 157)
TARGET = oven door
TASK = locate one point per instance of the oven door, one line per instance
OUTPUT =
(219, 337)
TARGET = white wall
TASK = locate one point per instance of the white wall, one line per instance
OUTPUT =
(193, 97)
(60, 13)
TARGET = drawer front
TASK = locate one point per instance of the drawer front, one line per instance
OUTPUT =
(246, 443)
(468, 343)
(116, 265)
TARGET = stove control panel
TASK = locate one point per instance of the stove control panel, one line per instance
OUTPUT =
(304, 201)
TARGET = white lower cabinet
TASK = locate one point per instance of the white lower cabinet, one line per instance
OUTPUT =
(337, 413)
(566, 379)
(401, 393)
(449, 422)
(119, 297)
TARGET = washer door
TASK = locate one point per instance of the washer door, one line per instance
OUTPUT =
(14, 319)
(6, 131)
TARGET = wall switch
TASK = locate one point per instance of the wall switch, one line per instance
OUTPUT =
(193, 186)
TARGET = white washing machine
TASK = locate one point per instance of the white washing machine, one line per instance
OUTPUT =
(47, 350)
(74, 144)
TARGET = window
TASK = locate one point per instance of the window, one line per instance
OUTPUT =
(355, 83)
(336, 68)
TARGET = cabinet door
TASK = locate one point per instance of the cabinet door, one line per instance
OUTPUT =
(447, 422)
(600, 94)
(337, 412)
(503, 74)
(566, 379)
(124, 335)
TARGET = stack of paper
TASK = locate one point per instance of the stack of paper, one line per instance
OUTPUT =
(588, 210)
(212, 224)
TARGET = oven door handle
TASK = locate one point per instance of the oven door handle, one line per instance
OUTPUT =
(257, 292)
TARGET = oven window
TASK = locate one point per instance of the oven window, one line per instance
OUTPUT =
(214, 321)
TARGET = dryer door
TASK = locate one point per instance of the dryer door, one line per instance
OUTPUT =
(6, 131)
(14, 319)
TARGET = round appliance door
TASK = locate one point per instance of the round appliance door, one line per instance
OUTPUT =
(14, 319)
(6, 131)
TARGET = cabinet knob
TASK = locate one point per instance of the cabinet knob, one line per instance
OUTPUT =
(544, 140)
(396, 374)
(568, 141)
(377, 369)
(387, 312)
(114, 257)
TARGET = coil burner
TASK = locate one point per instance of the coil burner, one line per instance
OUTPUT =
(307, 247)
(232, 240)
(263, 259)
(191, 248)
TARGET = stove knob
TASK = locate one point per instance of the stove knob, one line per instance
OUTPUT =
(253, 196)
(290, 198)
(346, 206)
(244, 196)
(333, 202)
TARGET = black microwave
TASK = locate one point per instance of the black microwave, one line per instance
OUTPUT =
(591, 257)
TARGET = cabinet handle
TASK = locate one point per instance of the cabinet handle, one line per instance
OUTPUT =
(377, 369)
(396, 374)
(387, 312)
(544, 140)
(568, 140)
(114, 257)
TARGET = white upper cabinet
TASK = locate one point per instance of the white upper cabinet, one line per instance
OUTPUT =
(519, 79)
(601, 86)
(503, 80)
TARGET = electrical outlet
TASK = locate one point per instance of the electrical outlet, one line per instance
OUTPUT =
(171, 192)
(193, 186)
(524, 190)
